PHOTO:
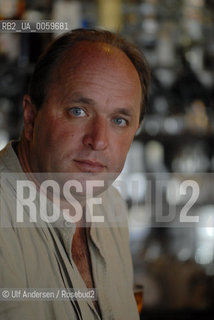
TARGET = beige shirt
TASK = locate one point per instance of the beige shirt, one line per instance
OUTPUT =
(39, 256)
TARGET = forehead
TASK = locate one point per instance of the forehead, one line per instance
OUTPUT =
(98, 71)
(87, 57)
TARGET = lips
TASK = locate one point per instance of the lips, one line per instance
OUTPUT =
(86, 165)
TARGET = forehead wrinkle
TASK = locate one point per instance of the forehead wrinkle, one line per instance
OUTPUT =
(83, 52)
(101, 77)
(81, 97)
(88, 62)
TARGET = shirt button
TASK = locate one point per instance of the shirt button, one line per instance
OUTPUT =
(68, 224)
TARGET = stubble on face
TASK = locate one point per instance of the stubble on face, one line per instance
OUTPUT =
(101, 72)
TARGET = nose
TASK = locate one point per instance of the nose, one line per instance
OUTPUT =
(96, 135)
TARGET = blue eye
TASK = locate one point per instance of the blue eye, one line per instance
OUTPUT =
(120, 122)
(77, 112)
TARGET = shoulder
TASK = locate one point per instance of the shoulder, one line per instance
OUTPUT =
(8, 159)
(113, 235)
(115, 207)
(113, 197)
(115, 213)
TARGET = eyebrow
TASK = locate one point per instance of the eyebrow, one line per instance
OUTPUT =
(78, 98)
(124, 111)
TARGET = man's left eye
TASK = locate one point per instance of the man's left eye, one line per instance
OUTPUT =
(77, 112)
(120, 122)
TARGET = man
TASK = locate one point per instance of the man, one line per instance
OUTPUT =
(85, 103)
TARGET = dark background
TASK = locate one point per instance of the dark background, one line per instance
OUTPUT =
(174, 263)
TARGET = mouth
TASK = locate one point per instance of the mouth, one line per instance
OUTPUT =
(90, 165)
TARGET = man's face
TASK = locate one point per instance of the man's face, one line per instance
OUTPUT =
(90, 115)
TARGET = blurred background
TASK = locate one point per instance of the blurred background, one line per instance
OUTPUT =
(169, 170)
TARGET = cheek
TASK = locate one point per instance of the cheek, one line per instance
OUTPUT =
(63, 137)
(121, 148)
(123, 143)
(58, 130)
(43, 128)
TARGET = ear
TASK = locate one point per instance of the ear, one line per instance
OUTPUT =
(30, 113)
